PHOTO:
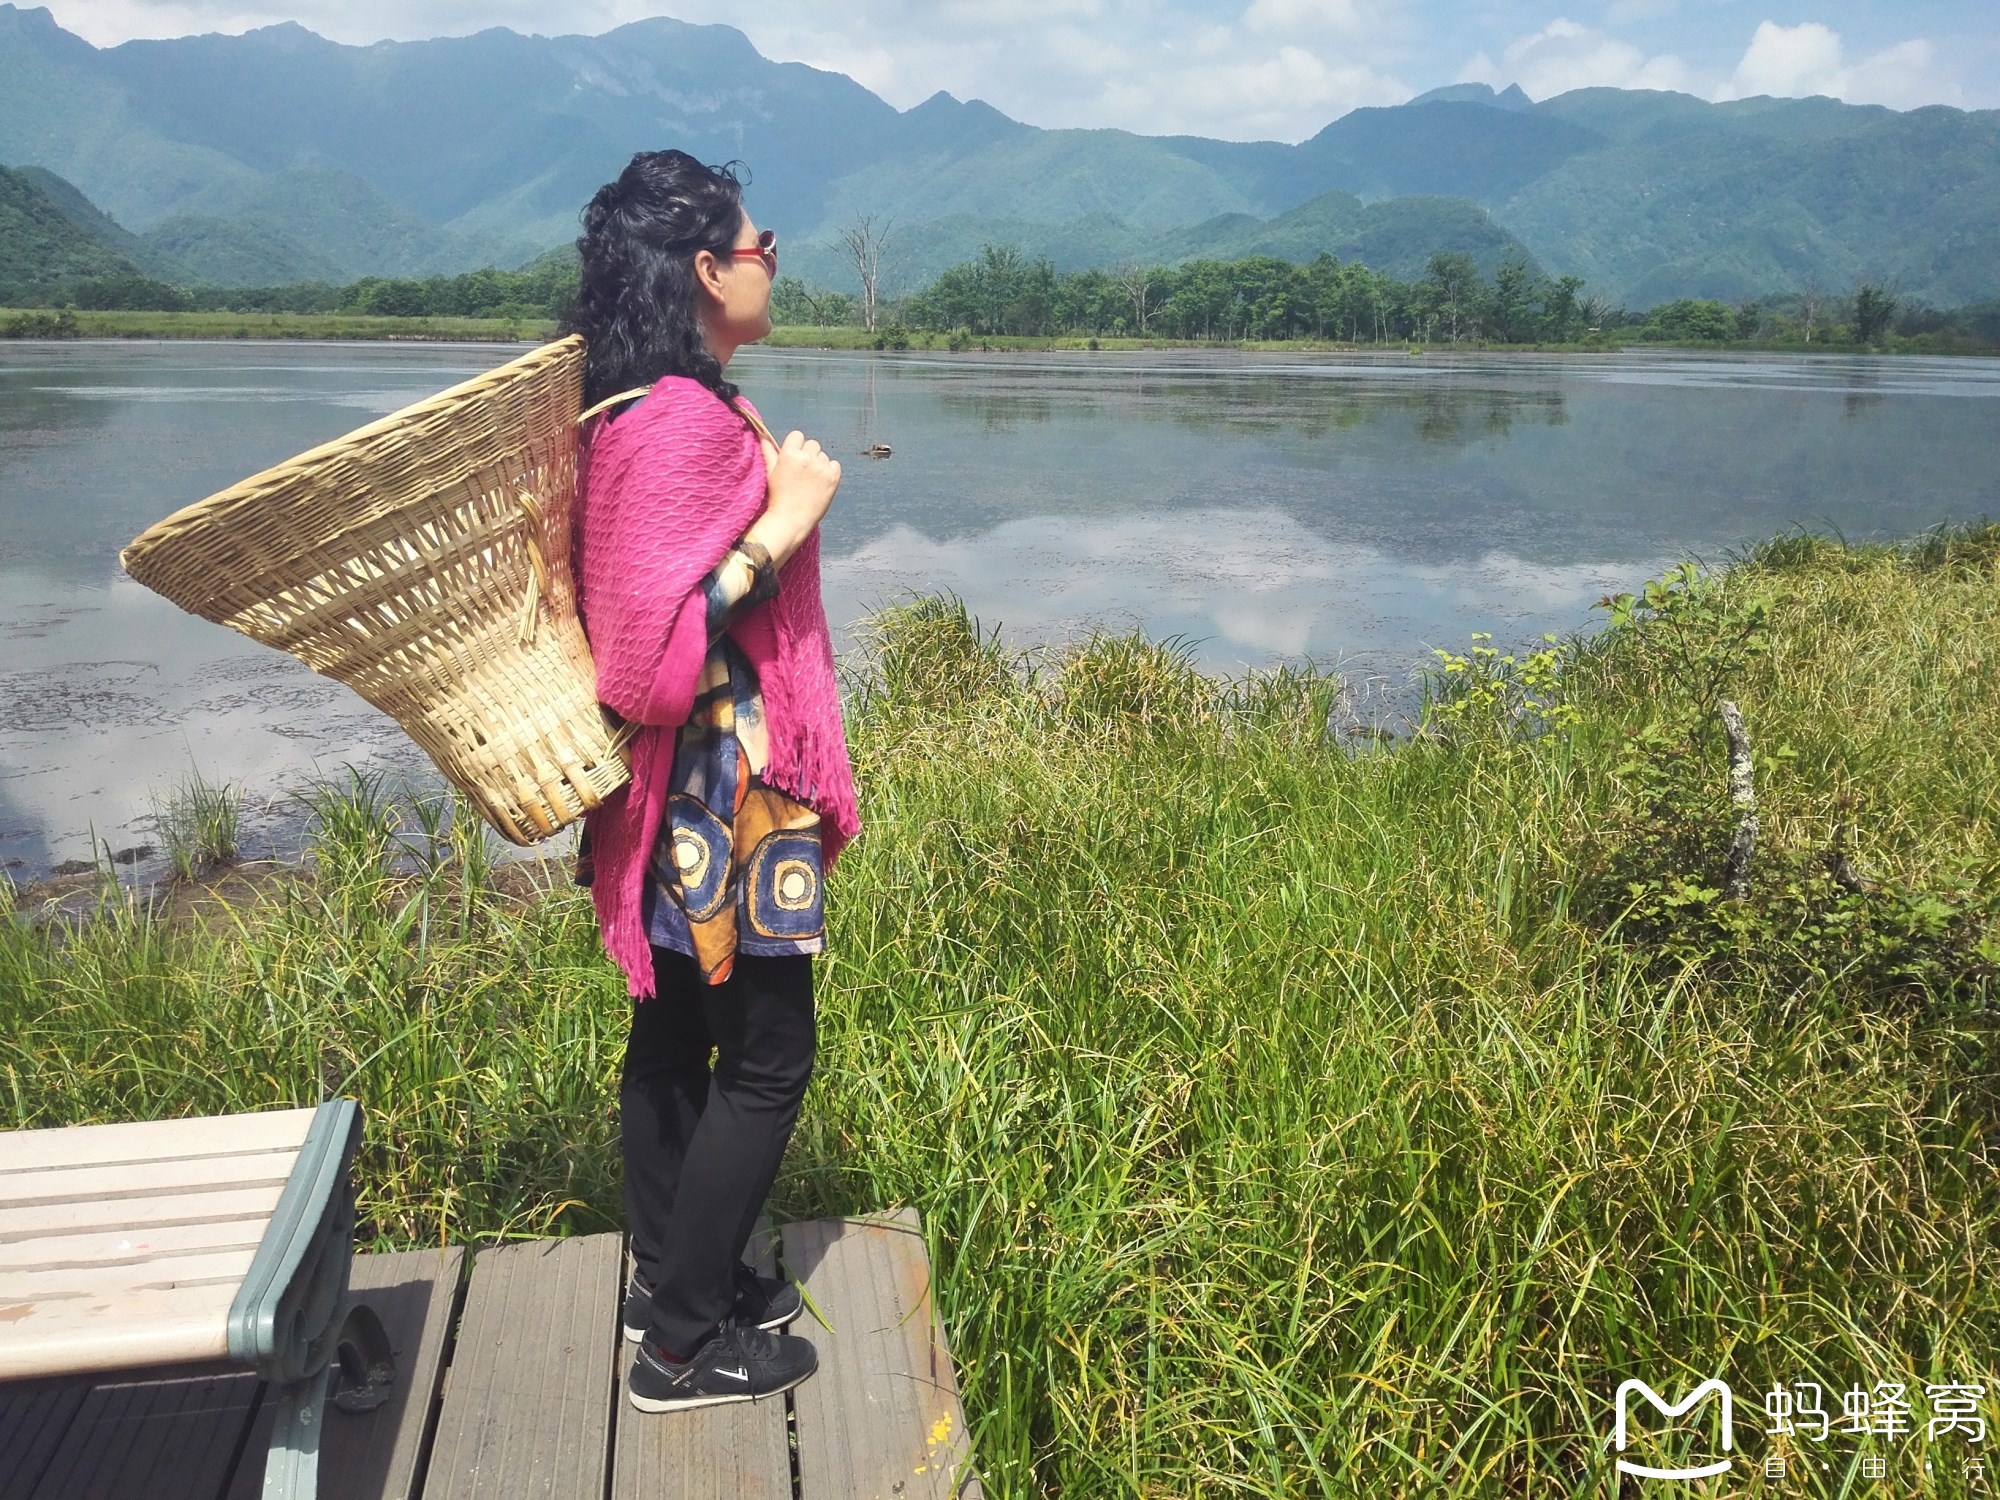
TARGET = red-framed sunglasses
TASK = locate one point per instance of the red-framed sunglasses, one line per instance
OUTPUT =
(766, 250)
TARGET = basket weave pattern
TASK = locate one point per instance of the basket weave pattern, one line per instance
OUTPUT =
(424, 560)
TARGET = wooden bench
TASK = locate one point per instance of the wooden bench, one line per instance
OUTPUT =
(510, 1359)
(222, 1241)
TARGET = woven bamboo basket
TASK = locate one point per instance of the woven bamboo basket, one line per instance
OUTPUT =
(424, 560)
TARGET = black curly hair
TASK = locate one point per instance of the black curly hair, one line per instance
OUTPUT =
(636, 299)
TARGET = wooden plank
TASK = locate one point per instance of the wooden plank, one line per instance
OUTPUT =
(711, 1453)
(151, 1435)
(527, 1401)
(146, 1179)
(152, 1140)
(79, 1335)
(118, 1251)
(375, 1455)
(208, 1207)
(880, 1420)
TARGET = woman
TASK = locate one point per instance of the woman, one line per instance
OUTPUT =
(698, 585)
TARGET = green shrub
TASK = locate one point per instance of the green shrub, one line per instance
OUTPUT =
(60, 324)
(1824, 898)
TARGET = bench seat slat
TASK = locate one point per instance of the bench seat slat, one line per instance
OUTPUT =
(144, 1179)
(84, 1334)
(151, 1140)
(122, 1251)
(42, 1289)
(137, 1214)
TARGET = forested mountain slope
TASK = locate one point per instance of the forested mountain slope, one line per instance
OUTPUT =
(41, 248)
(278, 150)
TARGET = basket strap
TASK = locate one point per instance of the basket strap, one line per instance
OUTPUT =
(757, 422)
(609, 401)
(639, 390)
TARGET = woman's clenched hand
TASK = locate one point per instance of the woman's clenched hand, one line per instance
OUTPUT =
(802, 479)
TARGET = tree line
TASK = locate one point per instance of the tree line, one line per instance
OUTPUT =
(1263, 298)
(540, 290)
(1259, 297)
(1001, 292)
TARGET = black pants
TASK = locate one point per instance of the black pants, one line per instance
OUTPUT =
(702, 1147)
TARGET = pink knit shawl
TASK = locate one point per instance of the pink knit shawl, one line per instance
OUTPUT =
(662, 494)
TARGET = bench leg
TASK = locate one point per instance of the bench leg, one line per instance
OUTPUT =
(366, 1362)
(367, 1368)
(292, 1470)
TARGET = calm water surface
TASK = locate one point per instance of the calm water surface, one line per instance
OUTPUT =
(1266, 508)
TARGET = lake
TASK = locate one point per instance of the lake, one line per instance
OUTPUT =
(1354, 510)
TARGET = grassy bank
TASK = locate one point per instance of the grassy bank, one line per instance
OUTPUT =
(1288, 1116)
(43, 323)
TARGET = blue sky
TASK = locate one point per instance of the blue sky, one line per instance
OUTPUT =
(1243, 69)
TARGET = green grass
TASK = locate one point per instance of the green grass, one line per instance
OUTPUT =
(1288, 1116)
(197, 822)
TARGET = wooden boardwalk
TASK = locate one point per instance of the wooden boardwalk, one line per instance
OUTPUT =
(510, 1385)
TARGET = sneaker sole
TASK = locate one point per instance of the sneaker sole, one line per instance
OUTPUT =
(690, 1403)
(633, 1335)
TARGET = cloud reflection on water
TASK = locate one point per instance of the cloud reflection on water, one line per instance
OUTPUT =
(1248, 586)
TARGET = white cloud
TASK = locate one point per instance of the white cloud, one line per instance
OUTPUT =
(1904, 76)
(1796, 61)
(1566, 55)
(1286, 96)
(976, 13)
(108, 22)
(1294, 17)
(1211, 41)
(1233, 68)
(1790, 61)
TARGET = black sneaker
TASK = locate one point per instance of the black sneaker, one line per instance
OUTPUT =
(766, 1302)
(638, 1314)
(761, 1302)
(736, 1364)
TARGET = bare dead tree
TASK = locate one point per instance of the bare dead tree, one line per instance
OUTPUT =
(865, 247)
(1137, 283)
(1810, 301)
(1743, 793)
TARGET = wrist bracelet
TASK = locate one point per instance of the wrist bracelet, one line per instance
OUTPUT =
(763, 574)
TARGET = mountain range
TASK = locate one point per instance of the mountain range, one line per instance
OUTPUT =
(279, 155)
